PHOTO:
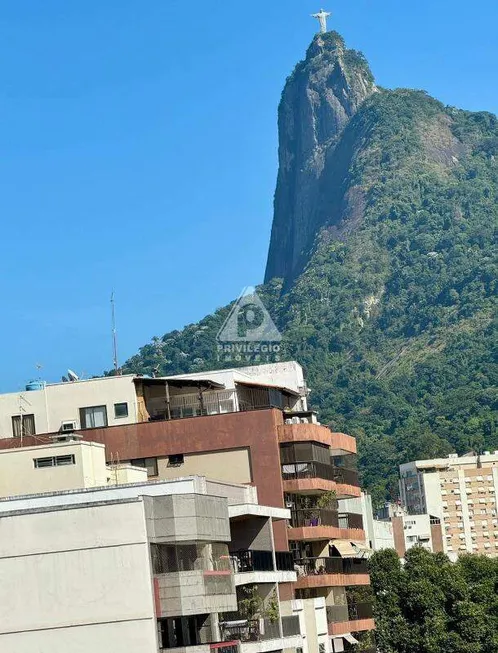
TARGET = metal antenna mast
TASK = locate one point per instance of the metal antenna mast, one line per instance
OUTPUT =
(114, 336)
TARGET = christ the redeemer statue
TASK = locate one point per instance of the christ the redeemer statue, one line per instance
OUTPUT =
(322, 17)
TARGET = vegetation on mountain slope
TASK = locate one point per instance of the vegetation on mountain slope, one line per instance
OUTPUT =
(394, 314)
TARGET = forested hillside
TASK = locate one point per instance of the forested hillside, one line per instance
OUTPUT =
(384, 238)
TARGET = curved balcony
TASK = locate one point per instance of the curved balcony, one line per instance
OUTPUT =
(309, 430)
(331, 572)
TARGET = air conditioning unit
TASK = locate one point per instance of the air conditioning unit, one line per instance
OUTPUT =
(68, 427)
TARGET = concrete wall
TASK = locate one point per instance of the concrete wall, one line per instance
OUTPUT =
(61, 402)
(252, 533)
(195, 592)
(76, 580)
(187, 518)
(18, 474)
(313, 620)
(233, 466)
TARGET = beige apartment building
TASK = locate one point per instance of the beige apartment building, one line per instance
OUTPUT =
(140, 567)
(460, 491)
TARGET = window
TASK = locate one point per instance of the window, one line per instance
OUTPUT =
(54, 461)
(60, 461)
(23, 425)
(150, 464)
(121, 410)
(43, 462)
(93, 417)
(175, 460)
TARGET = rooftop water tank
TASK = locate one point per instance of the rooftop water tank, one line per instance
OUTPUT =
(35, 385)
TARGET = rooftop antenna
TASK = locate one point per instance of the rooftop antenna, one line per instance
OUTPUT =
(114, 337)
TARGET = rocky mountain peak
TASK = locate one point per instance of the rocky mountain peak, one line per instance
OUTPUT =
(320, 97)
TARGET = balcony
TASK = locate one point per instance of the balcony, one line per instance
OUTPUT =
(254, 630)
(244, 561)
(331, 565)
(331, 572)
(321, 524)
(194, 592)
(314, 476)
(248, 565)
(308, 429)
(285, 560)
(354, 617)
(261, 630)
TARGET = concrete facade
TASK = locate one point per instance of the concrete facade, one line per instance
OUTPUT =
(61, 466)
(98, 573)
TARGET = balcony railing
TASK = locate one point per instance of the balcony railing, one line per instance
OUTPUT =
(297, 471)
(305, 517)
(251, 630)
(285, 560)
(313, 469)
(246, 560)
(346, 476)
(350, 520)
(360, 611)
(224, 647)
(351, 612)
(290, 626)
(330, 565)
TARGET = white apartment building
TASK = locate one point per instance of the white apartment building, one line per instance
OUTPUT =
(118, 400)
(461, 492)
(144, 568)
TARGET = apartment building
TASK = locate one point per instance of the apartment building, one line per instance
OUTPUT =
(460, 491)
(116, 400)
(144, 567)
(252, 425)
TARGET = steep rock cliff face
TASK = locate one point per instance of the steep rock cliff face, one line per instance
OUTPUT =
(323, 93)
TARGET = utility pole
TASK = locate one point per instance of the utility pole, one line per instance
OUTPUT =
(114, 337)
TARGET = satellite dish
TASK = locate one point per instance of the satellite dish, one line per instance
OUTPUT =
(72, 375)
(65, 379)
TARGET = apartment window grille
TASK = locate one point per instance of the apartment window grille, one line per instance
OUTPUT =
(93, 417)
(23, 425)
(121, 410)
(54, 461)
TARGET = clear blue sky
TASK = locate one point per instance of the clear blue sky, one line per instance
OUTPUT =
(139, 152)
